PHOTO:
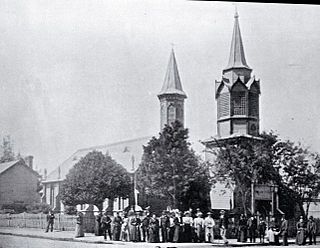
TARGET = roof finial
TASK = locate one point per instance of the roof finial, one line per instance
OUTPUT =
(236, 15)
(172, 46)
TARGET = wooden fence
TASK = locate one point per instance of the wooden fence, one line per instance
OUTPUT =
(61, 222)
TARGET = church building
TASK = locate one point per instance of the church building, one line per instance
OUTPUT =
(237, 95)
(127, 153)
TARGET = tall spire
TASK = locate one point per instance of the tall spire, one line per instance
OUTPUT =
(237, 58)
(172, 83)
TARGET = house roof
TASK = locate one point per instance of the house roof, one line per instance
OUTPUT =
(127, 153)
(7, 165)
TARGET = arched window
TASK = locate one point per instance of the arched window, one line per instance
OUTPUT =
(171, 114)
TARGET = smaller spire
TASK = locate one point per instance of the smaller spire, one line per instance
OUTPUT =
(172, 83)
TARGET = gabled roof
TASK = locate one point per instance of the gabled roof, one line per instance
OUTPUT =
(172, 83)
(7, 165)
(124, 153)
(237, 57)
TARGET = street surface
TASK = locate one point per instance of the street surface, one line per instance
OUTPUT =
(10, 241)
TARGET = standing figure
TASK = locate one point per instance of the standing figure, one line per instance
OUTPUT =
(171, 226)
(134, 228)
(198, 227)
(208, 228)
(79, 225)
(117, 222)
(177, 227)
(252, 227)
(145, 226)
(223, 225)
(50, 221)
(311, 230)
(262, 227)
(165, 226)
(154, 229)
(284, 231)
(106, 226)
(274, 227)
(242, 236)
(125, 229)
(187, 222)
(300, 239)
(97, 226)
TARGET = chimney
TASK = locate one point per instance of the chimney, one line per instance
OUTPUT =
(29, 161)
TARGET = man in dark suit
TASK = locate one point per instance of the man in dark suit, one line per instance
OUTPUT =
(50, 221)
(284, 231)
(165, 226)
(252, 227)
(311, 230)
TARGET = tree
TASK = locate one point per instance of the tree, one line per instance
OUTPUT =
(243, 160)
(7, 150)
(171, 170)
(300, 170)
(268, 159)
(93, 179)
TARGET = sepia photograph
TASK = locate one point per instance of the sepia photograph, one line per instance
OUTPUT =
(159, 123)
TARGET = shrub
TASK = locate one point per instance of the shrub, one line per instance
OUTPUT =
(70, 210)
(36, 208)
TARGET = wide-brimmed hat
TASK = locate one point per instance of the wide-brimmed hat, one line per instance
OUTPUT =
(199, 214)
(209, 213)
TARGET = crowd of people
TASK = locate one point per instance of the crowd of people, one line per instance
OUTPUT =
(176, 226)
(273, 231)
(171, 226)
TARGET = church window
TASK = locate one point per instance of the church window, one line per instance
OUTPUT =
(223, 105)
(253, 104)
(239, 103)
(171, 114)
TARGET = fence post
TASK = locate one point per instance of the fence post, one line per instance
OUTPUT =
(24, 220)
(59, 221)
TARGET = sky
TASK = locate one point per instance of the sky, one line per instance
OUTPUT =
(76, 74)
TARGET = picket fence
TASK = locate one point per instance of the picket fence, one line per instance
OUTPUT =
(61, 222)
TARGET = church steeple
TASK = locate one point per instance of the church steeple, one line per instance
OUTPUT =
(172, 83)
(237, 93)
(237, 57)
(171, 95)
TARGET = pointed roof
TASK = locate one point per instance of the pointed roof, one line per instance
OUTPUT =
(172, 83)
(237, 58)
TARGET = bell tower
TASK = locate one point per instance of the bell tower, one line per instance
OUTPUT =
(238, 92)
(171, 96)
